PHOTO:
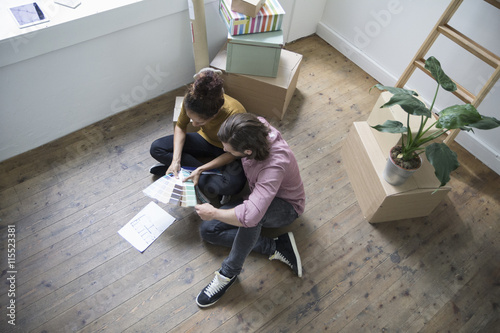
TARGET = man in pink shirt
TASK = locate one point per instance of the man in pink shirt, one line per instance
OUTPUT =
(277, 198)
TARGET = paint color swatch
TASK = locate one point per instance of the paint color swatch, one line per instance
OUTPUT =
(173, 191)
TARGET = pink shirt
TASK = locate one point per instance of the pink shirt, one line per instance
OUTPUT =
(276, 176)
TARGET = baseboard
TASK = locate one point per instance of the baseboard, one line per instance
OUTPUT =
(481, 151)
(355, 55)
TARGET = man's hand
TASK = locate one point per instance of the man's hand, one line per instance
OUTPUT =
(206, 211)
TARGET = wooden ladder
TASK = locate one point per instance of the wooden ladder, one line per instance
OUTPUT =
(442, 27)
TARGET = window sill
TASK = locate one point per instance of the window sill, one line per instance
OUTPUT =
(67, 26)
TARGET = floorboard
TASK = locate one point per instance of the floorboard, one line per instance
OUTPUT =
(75, 273)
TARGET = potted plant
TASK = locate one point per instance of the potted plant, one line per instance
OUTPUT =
(442, 158)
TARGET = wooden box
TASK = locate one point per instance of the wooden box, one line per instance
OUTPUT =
(254, 54)
(265, 96)
(177, 112)
(379, 201)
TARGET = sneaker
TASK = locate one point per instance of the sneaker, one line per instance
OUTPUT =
(158, 169)
(214, 291)
(286, 251)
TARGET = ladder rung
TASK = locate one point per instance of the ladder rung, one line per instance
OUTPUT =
(471, 46)
(462, 93)
(493, 3)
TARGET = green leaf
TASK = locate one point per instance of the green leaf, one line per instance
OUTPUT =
(394, 90)
(433, 65)
(486, 123)
(443, 159)
(458, 116)
(410, 104)
(467, 129)
(390, 126)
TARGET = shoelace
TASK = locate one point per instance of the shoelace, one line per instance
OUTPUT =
(282, 258)
(215, 286)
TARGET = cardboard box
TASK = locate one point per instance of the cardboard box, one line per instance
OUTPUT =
(378, 116)
(177, 112)
(269, 18)
(379, 201)
(254, 54)
(265, 96)
(247, 7)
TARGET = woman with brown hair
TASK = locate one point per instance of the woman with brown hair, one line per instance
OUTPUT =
(206, 105)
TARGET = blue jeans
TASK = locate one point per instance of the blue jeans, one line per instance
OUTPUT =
(196, 147)
(243, 240)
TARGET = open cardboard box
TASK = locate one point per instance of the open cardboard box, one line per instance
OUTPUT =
(269, 18)
(265, 96)
(379, 201)
(247, 7)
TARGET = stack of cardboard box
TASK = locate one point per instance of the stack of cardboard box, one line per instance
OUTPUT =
(254, 41)
(257, 71)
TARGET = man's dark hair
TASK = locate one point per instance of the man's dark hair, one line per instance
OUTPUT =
(245, 131)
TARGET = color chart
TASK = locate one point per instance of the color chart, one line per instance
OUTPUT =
(173, 191)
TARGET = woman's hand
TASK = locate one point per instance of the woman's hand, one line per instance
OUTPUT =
(174, 168)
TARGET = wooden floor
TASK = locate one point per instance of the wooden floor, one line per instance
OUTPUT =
(68, 199)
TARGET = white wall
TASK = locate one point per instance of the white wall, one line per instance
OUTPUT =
(68, 75)
(56, 80)
(64, 75)
(302, 17)
(383, 36)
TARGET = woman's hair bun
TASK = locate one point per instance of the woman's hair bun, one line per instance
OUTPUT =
(206, 95)
(208, 84)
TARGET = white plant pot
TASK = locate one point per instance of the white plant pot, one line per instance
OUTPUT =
(396, 175)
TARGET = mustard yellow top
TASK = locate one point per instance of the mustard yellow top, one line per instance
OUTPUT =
(210, 129)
